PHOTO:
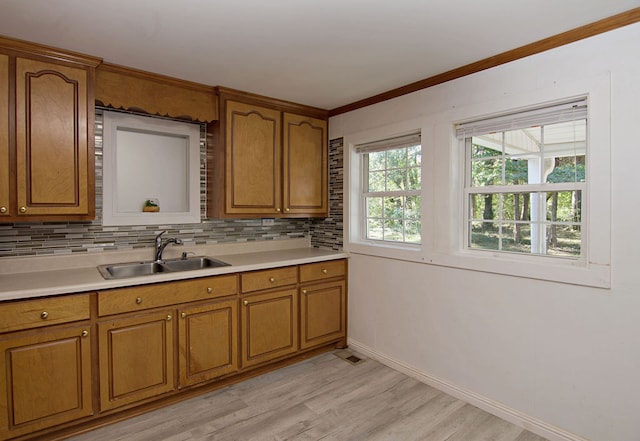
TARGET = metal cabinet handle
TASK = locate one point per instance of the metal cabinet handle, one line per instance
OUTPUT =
(84, 333)
(23, 209)
(245, 303)
(272, 279)
(324, 271)
(138, 300)
(209, 290)
(304, 291)
(169, 317)
(183, 315)
(44, 315)
(3, 209)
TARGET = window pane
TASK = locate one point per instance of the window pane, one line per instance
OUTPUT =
(397, 158)
(393, 208)
(374, 207)
(412, 231)
(393, 230)
(485, 206)
(485, 146)
(567, 169)
(486, 172)
(564, 240)
(414, 156)
(516, 170)
(516, 237)
(376, 161)
(374, 229)
(414, 178)
(564, 206)
(484, 235)
(412, 207)
(396, 180)
(376, 181)
(516, 206)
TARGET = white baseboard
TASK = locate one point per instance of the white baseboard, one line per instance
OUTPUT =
(520, 419)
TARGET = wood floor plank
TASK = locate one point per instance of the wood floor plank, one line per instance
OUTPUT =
(324, 398)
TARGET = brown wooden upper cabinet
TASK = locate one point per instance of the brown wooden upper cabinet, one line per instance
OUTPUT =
(46, 133)
(269, 159)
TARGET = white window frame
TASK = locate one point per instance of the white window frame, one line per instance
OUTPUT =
(545, 115)
(385, 145)
(354, 211)
(594, 269)
(443, 199)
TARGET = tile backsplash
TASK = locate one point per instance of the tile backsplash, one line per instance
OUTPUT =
(46, 238)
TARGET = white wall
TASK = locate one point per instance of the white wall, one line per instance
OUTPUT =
(552, 354)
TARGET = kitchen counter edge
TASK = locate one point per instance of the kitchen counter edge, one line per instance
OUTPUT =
(69, 281)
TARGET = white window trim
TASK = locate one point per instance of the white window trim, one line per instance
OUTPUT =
(354, 211)
(443, 173)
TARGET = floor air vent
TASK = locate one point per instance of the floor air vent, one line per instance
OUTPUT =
(348, 356)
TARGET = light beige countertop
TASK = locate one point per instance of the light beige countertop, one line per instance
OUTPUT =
(28, 277)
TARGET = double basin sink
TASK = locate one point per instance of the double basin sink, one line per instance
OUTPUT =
(135, 269)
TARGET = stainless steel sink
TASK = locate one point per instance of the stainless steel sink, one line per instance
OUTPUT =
(135, 269)
(192, 263)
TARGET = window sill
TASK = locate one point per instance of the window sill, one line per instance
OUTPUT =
(530, 267)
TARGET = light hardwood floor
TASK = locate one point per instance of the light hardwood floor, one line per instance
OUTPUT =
(323, 398)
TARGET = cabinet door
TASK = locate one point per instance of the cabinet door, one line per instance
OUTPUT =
(305, 169)
(253, 176)
(323, 313)
(52, 144)
(45, 380)
(136, 358)
(269, 326)
(4, 136)
(208, 341)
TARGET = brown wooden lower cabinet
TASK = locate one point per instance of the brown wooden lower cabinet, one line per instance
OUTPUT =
(45, 379)
(208, 337)
(136, 358)
(157, 341)
(269, 326)
(323, 310)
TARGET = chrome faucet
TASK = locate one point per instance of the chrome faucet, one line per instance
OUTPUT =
(162, 244)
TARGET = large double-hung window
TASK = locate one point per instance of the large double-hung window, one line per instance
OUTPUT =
(391, 189)
(525, 181)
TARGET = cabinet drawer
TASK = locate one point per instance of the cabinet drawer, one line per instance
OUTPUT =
(271, 278)
(322, 270)
(137, 298)
(43, 312)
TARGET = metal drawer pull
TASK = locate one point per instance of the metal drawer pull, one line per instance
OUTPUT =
(304, 291)
(324, 271)
(245, 303)
(23, 209)
(84, 333)
(272, 279)
(183, 315)
(3, 209)
(44, 315)
(138, 300)
(209, 290)
(169, 318)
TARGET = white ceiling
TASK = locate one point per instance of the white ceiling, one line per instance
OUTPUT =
(324, 53)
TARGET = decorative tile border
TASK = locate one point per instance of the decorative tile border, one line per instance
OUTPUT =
(51, 238)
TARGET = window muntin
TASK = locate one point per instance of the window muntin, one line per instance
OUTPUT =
(525, 186)
(391, 196)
